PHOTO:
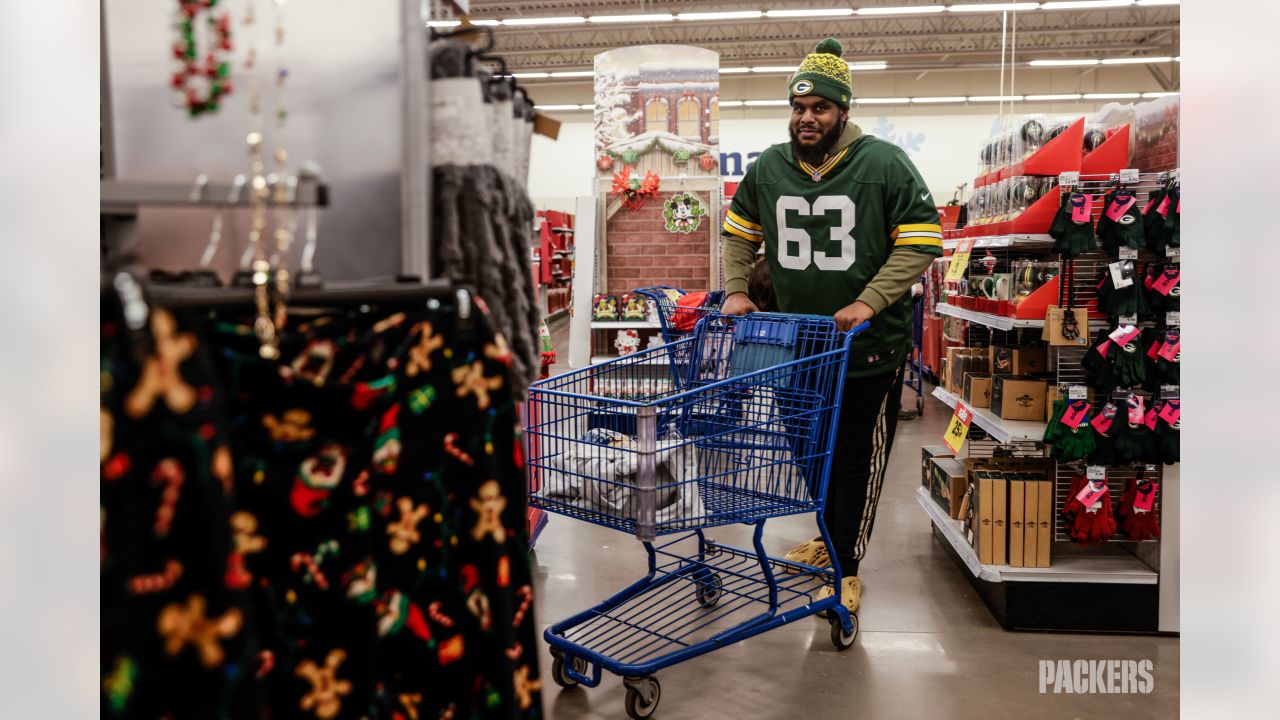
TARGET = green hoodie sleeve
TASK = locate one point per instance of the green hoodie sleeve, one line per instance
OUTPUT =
(742, 235)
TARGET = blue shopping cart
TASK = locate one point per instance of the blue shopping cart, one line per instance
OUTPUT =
(678, 322)
(745, 433)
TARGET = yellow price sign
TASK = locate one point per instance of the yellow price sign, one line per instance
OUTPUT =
(958, 429)
(960, 259)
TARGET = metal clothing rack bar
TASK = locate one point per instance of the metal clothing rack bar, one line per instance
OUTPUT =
(342, 294)
(124, 197)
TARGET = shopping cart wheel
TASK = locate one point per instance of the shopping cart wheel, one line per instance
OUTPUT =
(709, 590)
(839, 638)
(558, 671)
(642, 696)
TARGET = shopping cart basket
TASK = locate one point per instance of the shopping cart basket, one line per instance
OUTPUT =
(678, 322)
(743, 433)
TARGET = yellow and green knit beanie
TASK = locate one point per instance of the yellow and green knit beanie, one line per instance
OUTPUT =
(823, 73)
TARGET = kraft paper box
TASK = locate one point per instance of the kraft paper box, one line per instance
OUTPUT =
(1017, 500)
(999, 521)
(1031, 524)
(983, 518)
(948, 484)
(927, 454)
(1016, 360)
(977, 390)
(1053, 321)
(1044, 539)
(961, 361)
(1017, 397)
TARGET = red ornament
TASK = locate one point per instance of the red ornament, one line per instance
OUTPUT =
(706, 162)
(604, 163)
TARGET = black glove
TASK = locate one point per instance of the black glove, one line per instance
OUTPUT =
(1153, 222)
(1128, 363)
(1126, 229)
(1070, 237)
(1173, 220)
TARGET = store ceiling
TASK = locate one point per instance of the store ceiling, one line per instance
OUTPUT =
(943, 41)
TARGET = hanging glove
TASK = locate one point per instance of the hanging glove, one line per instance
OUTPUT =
(1138, 523)
(1166, 448)
(1130, 434)
(1173, 220)
(1097, 366)
(1121, 222)
(1075, 444)
(1125, 507)
(1089, 524)
(1103, 525)
(1128, 363)
(1104, 450)
(1169, 358)
(1074, 225)
(1054, 429)
(1152, 341)
(1128, 300)
(1164, 287)
(1153, 221)
(1073, 507)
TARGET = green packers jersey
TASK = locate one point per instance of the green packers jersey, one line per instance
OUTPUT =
(828, 230)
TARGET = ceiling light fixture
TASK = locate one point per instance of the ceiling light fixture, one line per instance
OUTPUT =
(565, 20)
(1159, 2)
(573, 73)
(730, 15)
(654, 17)
(1136, 60)
(486, 23)
(557, 107)
(922, 100)
(1160, 94)
(1112, 96)
(521, 75)
(1048, 98)
(831, 12)
(443, 23)
(882, 101)
(876, 65)
(765, 103)
(994, 98)
(994, 7)
(731, 70)
(1084, 4)
(774, 69)
(909, 10)
(1064, 63)
(730, 103)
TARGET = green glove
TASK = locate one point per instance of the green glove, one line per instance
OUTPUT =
(1069, 237)
(1055, 427)
(1153, 222)
(1075, 444)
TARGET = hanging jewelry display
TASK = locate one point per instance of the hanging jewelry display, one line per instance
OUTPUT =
(200, 83)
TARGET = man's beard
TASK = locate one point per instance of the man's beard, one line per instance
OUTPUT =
(816, 153)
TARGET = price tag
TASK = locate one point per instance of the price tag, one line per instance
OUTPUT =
(1077, 392)
(1128, 253)
(1075, 414)
(1123, 334)
(1172, 347)
(960, 259)
(1096, 472)
(1129, 175)
(1173, 252)
(1171, 411)
(958, 429)
(1069, 178)
(1128, 319)
(1169, 392)
(1145, 498)
(1173, 317)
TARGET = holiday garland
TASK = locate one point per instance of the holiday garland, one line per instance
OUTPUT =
(214, 68)
(631, 154)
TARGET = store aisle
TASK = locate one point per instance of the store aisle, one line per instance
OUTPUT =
(928, 647)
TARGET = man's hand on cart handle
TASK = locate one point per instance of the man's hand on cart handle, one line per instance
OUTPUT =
(851, 316)
(738, 304)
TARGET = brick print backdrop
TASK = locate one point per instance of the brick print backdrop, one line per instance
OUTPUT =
(639, 251)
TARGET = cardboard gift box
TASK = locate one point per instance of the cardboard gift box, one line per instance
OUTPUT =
(983, 517)
(1044, 518)
(1018, 397)
(948, 482)
(963, 360)
(1016, 360)
(927, 454)
(1017, 506)
(977, 390)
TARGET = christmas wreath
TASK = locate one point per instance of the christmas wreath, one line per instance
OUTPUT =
(683, 213)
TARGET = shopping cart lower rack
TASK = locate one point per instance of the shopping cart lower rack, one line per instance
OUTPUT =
(744, 433)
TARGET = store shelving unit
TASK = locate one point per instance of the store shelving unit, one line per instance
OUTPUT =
(1001, 430)
(998, 322)
(1003, 241)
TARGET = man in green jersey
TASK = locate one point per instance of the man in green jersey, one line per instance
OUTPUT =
(848, 226)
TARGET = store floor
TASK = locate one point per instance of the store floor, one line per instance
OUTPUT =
(928, 647)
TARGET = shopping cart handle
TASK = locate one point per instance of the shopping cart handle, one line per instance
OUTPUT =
(859, 328)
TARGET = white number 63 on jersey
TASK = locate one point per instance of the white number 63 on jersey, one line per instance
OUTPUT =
(794, 252)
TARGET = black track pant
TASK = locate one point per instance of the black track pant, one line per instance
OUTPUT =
(864, 436)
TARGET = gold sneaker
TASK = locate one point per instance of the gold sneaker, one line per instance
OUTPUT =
(812, 552)
(850, 595)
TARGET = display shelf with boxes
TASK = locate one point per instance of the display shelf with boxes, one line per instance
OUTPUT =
(1112, 525)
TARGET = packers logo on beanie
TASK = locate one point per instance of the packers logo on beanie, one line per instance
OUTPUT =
(825, 74)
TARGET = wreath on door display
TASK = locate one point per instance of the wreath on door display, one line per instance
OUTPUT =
(633, 191)
(683, 213)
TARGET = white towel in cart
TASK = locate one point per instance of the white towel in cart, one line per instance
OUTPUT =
(602, 478)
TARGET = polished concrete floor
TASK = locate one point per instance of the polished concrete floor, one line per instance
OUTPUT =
(928, 647)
